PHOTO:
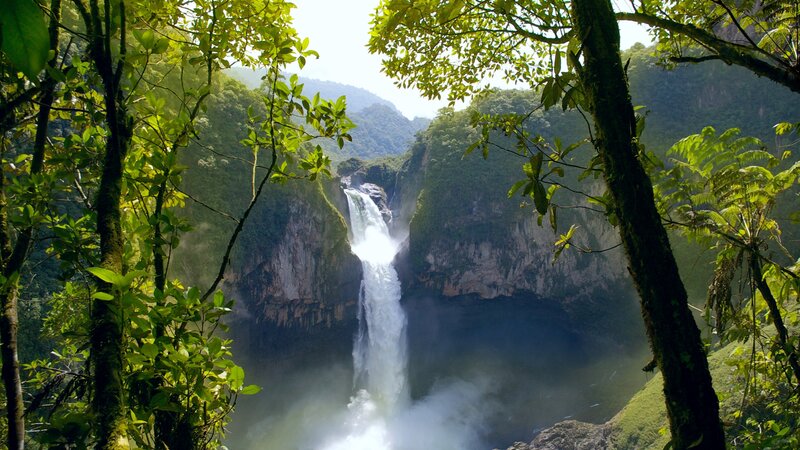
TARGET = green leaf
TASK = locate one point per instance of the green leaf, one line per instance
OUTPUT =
(161, 46)
(150, 350)
(104, 296)
(540, 198)
(237, 374)
(145, 37)
(251, 390)
(551, 93)
(516, 187)
(785, 128)
(55, 74)
(536, 165)
(236, 377)
(214, 346)
(106, 275)
(26, 41)
(159, 400)
(130, 276)
(219, 299)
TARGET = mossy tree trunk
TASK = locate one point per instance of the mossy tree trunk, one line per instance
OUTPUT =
(108, 403)
(106, 340)
(692, 404)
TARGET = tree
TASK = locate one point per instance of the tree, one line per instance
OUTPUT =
(722, 190)
(136, 84)
(30, 60)
(206, 34)
(758, 35)
(692, 404)
(454, 46)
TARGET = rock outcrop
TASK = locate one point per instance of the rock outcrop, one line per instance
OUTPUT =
(570, 435)
(299, 274)
(468, 238)
(519, 258)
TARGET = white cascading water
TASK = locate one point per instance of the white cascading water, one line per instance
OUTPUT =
(379, 353)
(381, 416)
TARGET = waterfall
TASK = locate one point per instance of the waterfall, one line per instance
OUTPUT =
(379, 351)
(381, 415)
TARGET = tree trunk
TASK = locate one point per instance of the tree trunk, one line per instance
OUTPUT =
(15, 409)
(107, 316)
(106, 339)
(692, 404)
(775, 313)
(9, 321)
(9, 294)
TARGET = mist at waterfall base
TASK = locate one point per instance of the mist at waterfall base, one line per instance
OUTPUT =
(460, 374)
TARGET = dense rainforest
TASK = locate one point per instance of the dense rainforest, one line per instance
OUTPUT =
(165, 229)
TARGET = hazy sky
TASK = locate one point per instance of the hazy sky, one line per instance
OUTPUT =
(339, 31)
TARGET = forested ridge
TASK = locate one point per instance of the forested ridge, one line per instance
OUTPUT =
(381, 130)
(135, 172)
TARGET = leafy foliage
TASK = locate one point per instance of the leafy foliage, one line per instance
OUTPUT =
(723, 186)
(760, 36)
(142, 103)
(721, 190)
(515, 41)
(24, 40)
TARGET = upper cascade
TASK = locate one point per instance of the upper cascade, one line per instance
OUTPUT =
(371, 240)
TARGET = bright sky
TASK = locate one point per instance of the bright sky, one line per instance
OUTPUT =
(339, 31)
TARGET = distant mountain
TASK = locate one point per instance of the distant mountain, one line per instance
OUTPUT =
(381, 130)
(358, 99)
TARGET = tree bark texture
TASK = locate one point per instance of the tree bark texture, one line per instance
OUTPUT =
(692, 404)
(107, 316)
(106, 340)
(15, 409)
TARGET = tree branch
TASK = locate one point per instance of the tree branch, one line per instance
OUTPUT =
(729, 52)
(694, 60)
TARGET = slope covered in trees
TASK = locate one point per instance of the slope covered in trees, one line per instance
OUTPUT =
(381, 130)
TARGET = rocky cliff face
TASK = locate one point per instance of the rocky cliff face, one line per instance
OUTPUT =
(298, 274)
(467, 238)
(517, 258)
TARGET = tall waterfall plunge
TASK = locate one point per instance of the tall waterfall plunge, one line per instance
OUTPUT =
(458, 391)
(381, 416)
(379, 353)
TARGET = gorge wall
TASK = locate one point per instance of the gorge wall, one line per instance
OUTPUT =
(301, 273)
(291, 272)
(467, 238)
(293, 269)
